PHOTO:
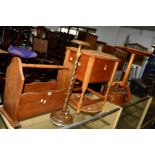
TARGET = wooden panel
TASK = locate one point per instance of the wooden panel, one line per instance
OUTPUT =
(40, 86)
(83, 62)
(108, 49)
(9, 126)
(33, 104)
(43, 66)
(101, 72)
(135, 51)
(95, 54)
(13, 123)
(40, 45)
(63, 76)
(91, 39)
(13, 87)
(122, 55)
(3, 52)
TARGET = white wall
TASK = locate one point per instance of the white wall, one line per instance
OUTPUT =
(107, 34)
(116, 35)
(53, 28)
(143, 37)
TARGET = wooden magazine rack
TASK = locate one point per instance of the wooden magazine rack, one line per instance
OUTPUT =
(22, 101)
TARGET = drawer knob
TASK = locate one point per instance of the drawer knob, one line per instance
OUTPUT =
(105, 67)
(71, 58)
(79, 64)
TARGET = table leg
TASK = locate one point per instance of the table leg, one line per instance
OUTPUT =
(128, 68)
(86, 81)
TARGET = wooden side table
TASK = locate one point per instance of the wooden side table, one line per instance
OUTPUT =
(133, 53)
(93, 67)
(120, 98)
